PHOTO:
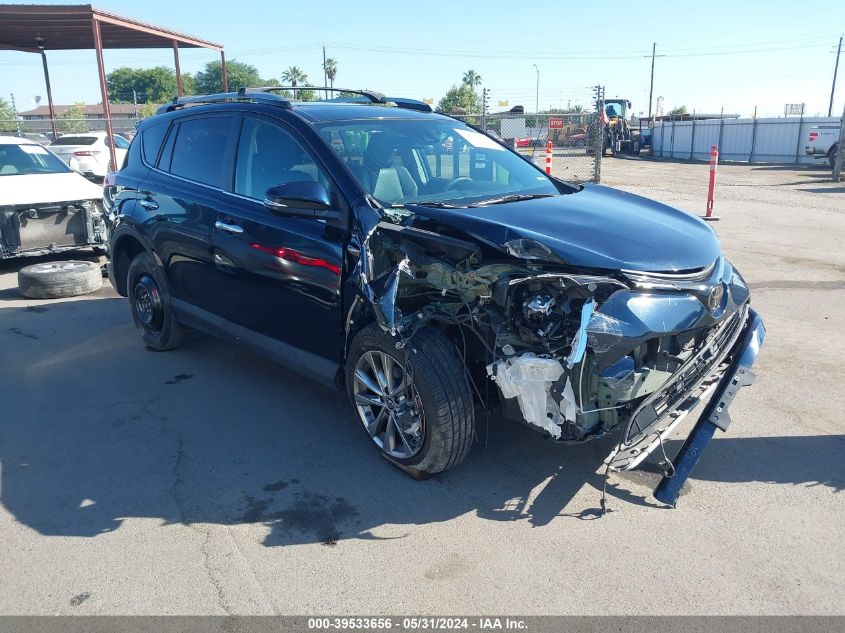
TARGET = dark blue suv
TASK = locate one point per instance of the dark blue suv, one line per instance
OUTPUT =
(427, 269)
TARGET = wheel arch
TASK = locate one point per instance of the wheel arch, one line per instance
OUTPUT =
(125, 248)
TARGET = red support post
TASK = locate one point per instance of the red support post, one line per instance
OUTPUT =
(179, 90)
(104, 90)
(711, 189)
(549, 158)
(223, 72)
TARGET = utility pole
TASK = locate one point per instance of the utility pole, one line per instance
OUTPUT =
(651, 84)
(537, 101)
(484, 109)
(325, 75)
(135, 102)
(835, 70)
(15, 112)
(840, 151)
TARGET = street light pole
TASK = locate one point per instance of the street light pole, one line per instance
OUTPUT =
(537, 100)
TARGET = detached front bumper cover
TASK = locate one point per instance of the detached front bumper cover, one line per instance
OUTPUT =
(715, 415)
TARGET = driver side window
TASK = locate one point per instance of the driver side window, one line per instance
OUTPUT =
(270, 156)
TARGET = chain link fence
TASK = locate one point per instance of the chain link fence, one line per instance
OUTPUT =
(576, 138)
(41, 129)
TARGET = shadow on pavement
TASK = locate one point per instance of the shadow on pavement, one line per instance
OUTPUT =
(824, 189)
(94, 429)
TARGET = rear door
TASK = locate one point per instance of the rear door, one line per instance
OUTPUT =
(280, 276)
(179, 201)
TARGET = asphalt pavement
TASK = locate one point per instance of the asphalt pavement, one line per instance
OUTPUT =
(208, 480)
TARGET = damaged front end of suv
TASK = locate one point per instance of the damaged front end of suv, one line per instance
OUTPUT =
(551, 335)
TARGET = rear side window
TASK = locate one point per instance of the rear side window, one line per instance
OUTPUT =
(151, 139)
(75, 140)
(199, 148)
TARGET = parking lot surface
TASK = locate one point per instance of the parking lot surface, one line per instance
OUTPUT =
(208, 480)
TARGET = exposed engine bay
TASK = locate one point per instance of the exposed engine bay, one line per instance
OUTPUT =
(573, 353)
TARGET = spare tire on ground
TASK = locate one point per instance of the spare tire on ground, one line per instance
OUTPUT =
(52, 280)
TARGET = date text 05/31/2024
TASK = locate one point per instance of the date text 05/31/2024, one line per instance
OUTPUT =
(416, 623)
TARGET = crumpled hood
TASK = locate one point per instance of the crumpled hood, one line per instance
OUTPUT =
(597, 227)
(47, 188)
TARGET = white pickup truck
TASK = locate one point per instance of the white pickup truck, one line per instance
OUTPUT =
(823, 141)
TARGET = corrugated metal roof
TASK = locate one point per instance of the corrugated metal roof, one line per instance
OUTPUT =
(70, 27)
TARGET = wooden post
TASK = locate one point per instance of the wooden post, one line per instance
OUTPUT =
(179, 90)
(223, 71)
(49, 95)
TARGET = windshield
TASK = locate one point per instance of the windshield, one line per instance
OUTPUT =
(431, 161)
(613, 109)
(19, 160)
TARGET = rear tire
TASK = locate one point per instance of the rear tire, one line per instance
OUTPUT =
(438, 387)
(149, 300)
(54, 280)
(831, 155)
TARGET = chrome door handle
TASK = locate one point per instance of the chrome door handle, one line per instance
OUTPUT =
(229, 228)
(149, 204)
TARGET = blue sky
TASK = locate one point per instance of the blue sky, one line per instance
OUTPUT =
(718, 54)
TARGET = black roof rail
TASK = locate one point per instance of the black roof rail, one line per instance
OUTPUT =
(265, 94)
(244, 94)
(399, 102)
(372, 95)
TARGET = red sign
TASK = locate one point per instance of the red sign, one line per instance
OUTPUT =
(556, 124)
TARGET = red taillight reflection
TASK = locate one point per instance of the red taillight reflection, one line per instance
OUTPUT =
(110, 179)
(298, 258)
(83, 153)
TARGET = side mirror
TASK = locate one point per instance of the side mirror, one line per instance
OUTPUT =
(304, 199)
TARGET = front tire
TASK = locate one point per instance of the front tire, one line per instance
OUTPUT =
(414, 403)
(149, 300)
(831, 155)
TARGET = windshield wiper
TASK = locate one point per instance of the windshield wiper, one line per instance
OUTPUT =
(437, 204)
(513, 197)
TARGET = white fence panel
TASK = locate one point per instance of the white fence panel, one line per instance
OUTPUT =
(777, 140)
(706, 135)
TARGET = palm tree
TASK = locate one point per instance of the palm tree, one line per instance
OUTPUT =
(472, 79)
(294, 76)
(330, 66)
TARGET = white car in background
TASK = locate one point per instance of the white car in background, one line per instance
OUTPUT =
(45, 206)
(88, 153)
(823, 141)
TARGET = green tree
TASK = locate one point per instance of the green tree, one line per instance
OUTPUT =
(471, 79)
(147, 110)
(330, 66)
(147, 85)
(73, 119)
(8, 117)
(240, 75)
(462, 97)
(307, 94)
(294, 76)
(679, 110)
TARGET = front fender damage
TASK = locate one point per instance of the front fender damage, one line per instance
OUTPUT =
(573, 353)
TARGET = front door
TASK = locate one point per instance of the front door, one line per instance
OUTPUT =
(280, 276)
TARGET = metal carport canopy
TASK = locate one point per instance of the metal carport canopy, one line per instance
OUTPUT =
(39, 28)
